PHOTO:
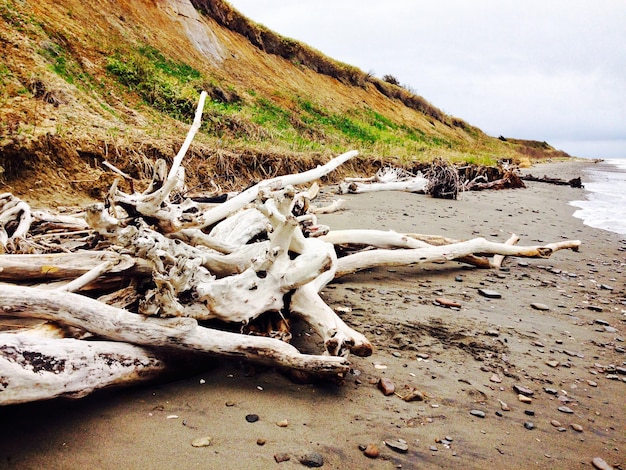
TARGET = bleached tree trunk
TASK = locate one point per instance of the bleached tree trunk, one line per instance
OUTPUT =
(370, 259)
(178, 333)
(38, 368)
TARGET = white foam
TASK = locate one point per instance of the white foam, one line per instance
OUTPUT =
(605, 206)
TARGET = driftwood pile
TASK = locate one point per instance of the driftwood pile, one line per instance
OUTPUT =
(112, 294)
(441, 180)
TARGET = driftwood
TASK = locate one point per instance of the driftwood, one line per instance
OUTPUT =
(148, 275)
(574, 182)
(510, 180)
(385, 179)
(443, 180)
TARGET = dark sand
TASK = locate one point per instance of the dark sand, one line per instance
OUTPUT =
(152, 427)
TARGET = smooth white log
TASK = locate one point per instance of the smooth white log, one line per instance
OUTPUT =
(38, 368)
(477, 246)
(417, 184)
(180, 333)
(58, 266)
(375, 238)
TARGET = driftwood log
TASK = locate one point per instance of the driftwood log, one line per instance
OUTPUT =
(130, 282)
(574, 182)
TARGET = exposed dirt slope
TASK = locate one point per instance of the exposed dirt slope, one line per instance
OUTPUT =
(85, 81)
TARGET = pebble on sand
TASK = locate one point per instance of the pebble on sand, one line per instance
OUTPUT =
(490, 294)
(201, 442)
(372, 451)
(529, 425)
(524, 398)
(576, 427)
(565, 409)
(281, 457)
(312, 459)
(399, 445)
(386, 386)
(553, 363)
(477, 413)
(523, 390)
(448, 303)
(539, 306)
(600, 464)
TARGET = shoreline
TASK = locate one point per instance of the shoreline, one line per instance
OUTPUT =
(463, 360)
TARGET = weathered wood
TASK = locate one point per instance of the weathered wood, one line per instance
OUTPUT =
(179, 333)
(40, 368)
(415, 185)
(15, 218)
(478, 246)
(58, 266)
(574, 182)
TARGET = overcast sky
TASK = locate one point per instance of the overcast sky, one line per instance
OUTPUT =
(552, 70)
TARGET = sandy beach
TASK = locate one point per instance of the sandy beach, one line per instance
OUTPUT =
(473, 364)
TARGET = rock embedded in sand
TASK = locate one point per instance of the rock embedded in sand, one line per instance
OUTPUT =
(386, 386)
(448, 303)
(529, 425)
(201, 442)
(601, 464)
(281, 457)
(495, 378)
(490, 294)
(553, 363)
(312, 460)
(565, 409)
(372, 451)
(576, 427)
(399, 445)
(283, 423)
(523, 390)
(504, 406)
(524, 398)
(252, 418)
(477, 413)
(555, 423)
(539, 306)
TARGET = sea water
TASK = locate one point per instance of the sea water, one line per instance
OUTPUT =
(605, 206)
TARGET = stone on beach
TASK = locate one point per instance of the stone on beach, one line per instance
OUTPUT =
(601, 464)
(386, 386)
(312, 460)
(449, 303)
(399, 445)
(490, 294)
(372, 451)
(539, 306)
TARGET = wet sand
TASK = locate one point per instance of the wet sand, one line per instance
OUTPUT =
(462, 359)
